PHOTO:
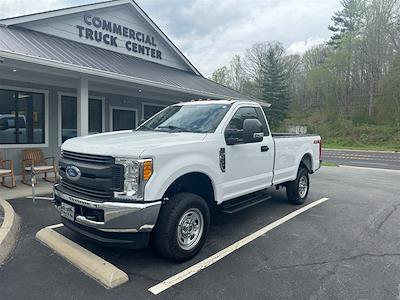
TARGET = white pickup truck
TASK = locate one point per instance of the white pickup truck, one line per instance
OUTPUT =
(166, 178)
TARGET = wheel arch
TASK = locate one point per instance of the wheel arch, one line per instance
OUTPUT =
(197, 183)
(307, 162)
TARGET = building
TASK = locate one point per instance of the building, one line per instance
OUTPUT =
(88, 69)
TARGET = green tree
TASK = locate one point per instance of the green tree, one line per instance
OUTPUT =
(236, 72)
(232, 76)
(346, 21)
(390, 96)
(221, 76)
(275, 84)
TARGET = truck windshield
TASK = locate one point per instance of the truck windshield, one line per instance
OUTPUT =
(200, 118)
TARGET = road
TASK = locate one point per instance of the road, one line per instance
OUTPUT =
(384, 160)
(344, 248)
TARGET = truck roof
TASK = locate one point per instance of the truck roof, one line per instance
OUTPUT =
(222, 101)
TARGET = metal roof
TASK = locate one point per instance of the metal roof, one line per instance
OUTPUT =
(15, 21)
(43, 48)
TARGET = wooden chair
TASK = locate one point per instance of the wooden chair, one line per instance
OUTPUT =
(7, 170)
(35, 158)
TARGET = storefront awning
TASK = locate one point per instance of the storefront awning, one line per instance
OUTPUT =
(31, 46)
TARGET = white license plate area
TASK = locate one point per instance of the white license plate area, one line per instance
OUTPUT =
(67, 211)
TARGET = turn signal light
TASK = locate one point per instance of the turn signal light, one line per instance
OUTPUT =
(147, 169)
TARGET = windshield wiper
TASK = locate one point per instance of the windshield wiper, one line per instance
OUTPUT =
(173, 127)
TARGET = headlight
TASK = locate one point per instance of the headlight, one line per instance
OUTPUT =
(136, 174)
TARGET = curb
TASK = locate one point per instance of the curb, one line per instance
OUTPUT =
(8, 231)
(99, 269)
(367, 168)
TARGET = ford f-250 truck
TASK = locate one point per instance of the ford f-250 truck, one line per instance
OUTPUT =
(166, 178)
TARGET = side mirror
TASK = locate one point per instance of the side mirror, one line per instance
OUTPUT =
(252, 131)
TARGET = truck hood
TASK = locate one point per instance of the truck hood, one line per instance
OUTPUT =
(129, 143)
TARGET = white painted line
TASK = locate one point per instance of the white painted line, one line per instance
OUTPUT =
(40, 198)
(366, 168)
(55, 226)
(166, 284)
(89, 263)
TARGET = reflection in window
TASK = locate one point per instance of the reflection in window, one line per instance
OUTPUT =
(242, 114)
(150, 110)
(123, 119)
(22, 119)
(191, 118)
(69, 117)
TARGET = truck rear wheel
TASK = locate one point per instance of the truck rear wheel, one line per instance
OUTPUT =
(182, 227)
(297, 190)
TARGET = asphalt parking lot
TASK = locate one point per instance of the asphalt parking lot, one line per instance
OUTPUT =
(344, 248)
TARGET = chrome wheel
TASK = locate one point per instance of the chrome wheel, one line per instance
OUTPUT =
(190, 229)
(303, 186)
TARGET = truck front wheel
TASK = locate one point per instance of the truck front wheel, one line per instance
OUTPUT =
(297, 190)
(182, 227)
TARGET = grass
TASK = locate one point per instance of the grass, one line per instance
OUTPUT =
(328, 164)
(343, 133)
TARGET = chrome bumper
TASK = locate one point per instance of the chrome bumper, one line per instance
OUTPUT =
(119, 217)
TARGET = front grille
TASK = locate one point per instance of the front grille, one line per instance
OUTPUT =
(88, 157)
(92, 193)
(100, 176)
(117, 178)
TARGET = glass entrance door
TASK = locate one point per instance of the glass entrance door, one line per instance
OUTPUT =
(123, 119)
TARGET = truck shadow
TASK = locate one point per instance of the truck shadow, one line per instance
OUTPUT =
(225, 230)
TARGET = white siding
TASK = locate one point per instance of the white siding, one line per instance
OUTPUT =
(124, 15)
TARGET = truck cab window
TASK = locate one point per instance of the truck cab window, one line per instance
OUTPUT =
(240, 115)
(236, 123)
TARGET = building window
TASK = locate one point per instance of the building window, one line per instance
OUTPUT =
(22, 117)
(151, 110)
(95, 116)
(123, 119)
(69, 117)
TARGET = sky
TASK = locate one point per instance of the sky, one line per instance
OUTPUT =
(210, 32)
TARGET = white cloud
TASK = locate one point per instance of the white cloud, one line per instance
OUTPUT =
(210, 32)
(300, 47)
(12, 8)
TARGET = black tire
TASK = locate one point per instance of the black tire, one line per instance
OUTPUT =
(294, 192)
(166, 232)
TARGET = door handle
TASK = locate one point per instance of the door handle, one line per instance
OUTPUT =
(264, 148)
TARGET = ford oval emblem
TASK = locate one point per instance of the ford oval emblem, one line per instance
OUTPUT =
(73, 172)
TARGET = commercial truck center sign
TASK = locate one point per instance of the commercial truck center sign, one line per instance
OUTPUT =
(109, 33)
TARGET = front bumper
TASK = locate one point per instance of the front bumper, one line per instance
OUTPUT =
(110, 217)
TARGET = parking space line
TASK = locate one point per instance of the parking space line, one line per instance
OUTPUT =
(40, 198)
(166, 284)
(94, 266)
(55, 226)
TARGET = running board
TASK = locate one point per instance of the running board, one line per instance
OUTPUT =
(236, 206)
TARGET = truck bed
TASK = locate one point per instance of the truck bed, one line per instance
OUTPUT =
(289, 150)
(291, 135)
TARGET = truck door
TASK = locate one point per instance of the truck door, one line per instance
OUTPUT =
(249, 166)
